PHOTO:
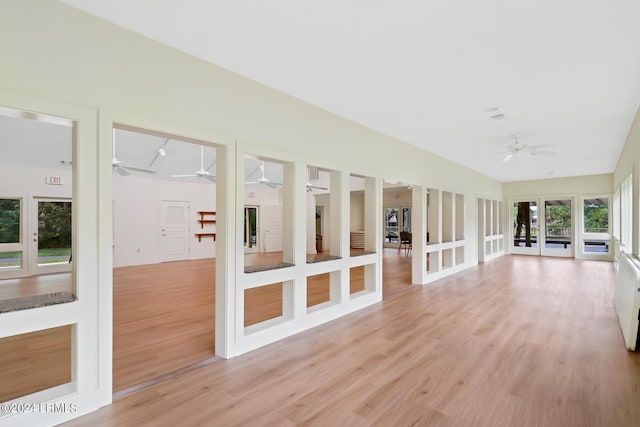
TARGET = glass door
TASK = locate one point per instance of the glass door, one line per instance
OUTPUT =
(391, 225)
(525, 227)
(51, 236)
(396, 220)
(250, 229)
(12, 258)
(558, 227)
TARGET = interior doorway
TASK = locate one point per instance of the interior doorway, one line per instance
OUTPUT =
(251, 232)
(164, 256)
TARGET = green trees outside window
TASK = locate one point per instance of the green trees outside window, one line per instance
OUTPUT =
(9, 221)
(596, 215)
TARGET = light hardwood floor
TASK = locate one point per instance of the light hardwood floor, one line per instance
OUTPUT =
(35, 361)
(163, 319)
(519, 341)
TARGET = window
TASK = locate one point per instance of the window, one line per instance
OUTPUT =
(616, 214)
(391, 225)
(596, 215)
(11, 256)
(626, 209)
(9, 220)
(596, 228)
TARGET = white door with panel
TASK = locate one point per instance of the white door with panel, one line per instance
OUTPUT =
(174, 231)
(272, 226)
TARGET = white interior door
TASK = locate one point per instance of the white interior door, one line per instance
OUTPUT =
(174, 231)
(272, 226)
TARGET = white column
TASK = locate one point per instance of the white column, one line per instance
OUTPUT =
(419, 235)
(227, 186)
(372, 234)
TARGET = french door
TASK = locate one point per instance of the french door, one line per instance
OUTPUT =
(395, 221)
(558, 227)
(543, 226)
(49, 235)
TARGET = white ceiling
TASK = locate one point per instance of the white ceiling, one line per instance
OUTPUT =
(562, 72)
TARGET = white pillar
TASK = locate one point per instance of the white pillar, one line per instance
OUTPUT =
(419, 235)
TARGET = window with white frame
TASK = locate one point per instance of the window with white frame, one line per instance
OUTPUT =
(596, 225)
(615, 219)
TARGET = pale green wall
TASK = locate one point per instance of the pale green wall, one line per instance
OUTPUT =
(57, 52)
(630, 155)
(589, 184)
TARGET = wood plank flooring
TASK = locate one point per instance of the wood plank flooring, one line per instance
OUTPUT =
(35, 361)
(163, 313)
(163, 319)
(518, 341)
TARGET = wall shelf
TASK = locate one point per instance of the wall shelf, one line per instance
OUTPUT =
(201, 235)
(203, 221)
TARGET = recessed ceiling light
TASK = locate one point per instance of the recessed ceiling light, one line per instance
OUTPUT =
(498, 116)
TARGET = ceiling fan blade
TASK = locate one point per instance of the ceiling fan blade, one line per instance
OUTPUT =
(541, 152)
(184, 176)
(267, 183)
(537, 146)
(211, 178)
(121, 171)
(252, 172)
(315, 187)
(507, 158)
(138, 169)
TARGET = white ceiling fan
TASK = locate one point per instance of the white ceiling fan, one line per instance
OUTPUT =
(160, 152)
(123, 167)
(516, 148)
(313, 174)
(311, 187)
(263, 179)
(200, 173)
